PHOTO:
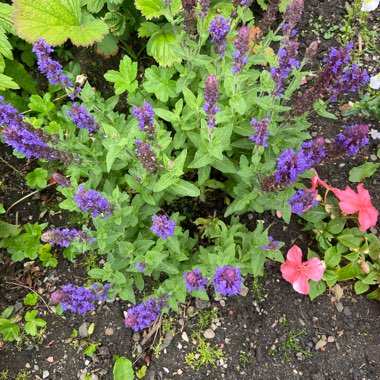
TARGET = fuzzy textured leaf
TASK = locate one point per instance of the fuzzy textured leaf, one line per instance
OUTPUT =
(56, 21)
(149, 8)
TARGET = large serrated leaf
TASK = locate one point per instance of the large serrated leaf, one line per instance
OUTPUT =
(163, 46)
(7, 82)
(6, 11)
(149, 8)
(56, 21)
(158, 81)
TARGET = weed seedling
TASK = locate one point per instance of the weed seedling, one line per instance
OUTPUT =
(205, 354)
(4, 374)
(292, 344)
(23, 375)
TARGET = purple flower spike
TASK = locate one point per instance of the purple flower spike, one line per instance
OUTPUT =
(227, 281)
(353, 138)
(286, 63)
(142, 316)
(302, 200)
(162, 226)
(242, 48)
(273, 244)
(147, 157)
(145, 115)
(195, 280)
(219, 28)
(80, 116)
(79, 299)
(289, 165)
(314, 150)
(292, 17)
(92, 201)
(49, 67)
(260, 135)
(63, 237)
(26, 139)
(211, 97)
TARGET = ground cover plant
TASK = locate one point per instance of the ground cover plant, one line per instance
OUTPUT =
(223, 118)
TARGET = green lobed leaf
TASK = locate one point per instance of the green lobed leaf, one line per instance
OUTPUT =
(6, 22)
(6, 83)
(56, 21)
(125, 79)
(158, 81)
(5, 46)
(147, 29)
(37, 179)
(360, 173)
(9, 330)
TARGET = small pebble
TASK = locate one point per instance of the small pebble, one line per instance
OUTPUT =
(209, 334)
(109, 331)
(180, 372)
(27, 365)
(373, 157)
(185, 337)
(222, 303)
(45, 374)
(36, 367)
(83, 330)
(50, 359)
(331, 339)
(320, 344)
(166, 370)
(339, 306)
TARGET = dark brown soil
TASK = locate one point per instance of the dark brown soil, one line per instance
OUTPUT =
(337, 334)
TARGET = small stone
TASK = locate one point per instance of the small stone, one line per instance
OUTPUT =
(94, 377)
(180, 372)
(18, 306)
(347, 311)
(302, 323)
(339, 306)
(45, 374)
(166, 370)
(136, 337)
(83, 329)
(27, 365)
(330, 339)
(243, 292)
(50, 359)
(109, 331)
(179, 346)
(222, 303)
(342, 165)
(209, 334)
(321, 345)
(36, 367)
(373, 157)
(185, 337)
(315, 319)
(190, 310)
(218, 297)
(87, 362)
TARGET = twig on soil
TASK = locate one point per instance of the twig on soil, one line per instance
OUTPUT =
(28, 195)
(154, 329)
(12, 167)
(29, 288)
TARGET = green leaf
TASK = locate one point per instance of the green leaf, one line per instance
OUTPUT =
(149, 8)
(315, 214)
(95, 6)
(17, 71)
(320, 108)
(9, 330)
(164, 182)
(2, 209)
(56, 21)
(185, 189)
(6, 22)
(147, 29)
(360, 173)
(37, 179)
(6, 82)
(164, 46)
(125, 79)
(158, 81)
(32, 323)
(31, 299)
(349, 272)
(108, 46)
(316, 288)
(360, 287)
(332, 257)
(5, 45)
(122, 369)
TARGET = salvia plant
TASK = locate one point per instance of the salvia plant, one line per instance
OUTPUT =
(225, 114)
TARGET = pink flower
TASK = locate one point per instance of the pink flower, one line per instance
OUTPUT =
(298, 273)
(351, 203)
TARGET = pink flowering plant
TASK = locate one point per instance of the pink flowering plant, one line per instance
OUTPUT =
(223, 113)
(341, 224)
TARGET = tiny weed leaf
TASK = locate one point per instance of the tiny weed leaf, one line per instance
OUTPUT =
(37, 179)
(360, 173)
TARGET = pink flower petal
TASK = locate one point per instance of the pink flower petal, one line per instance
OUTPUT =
(301, 284)
(364, 196)
(294, 255)
(313, 269)
(289, 271)
(367, 218)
